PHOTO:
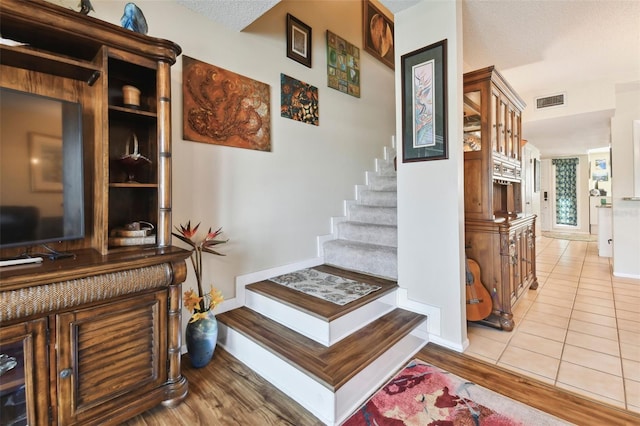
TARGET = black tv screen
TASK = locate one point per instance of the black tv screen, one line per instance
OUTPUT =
(41, 174)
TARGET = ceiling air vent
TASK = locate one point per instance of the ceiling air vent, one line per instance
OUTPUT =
(551, 101)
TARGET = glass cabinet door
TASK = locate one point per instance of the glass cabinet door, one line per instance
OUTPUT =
(473, 121)
(23, 374)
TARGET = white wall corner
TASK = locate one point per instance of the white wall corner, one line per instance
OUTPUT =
(432, 312)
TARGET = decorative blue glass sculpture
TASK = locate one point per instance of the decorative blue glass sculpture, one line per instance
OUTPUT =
(133, 19)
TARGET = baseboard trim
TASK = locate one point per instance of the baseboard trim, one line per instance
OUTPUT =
(622, 275)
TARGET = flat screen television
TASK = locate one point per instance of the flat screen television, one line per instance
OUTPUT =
(41, 172)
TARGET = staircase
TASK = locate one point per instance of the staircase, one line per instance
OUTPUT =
(331, 358)
(366, 238)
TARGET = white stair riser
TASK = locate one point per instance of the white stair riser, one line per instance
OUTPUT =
(350, 396)
(323, 332)
(331, 408)
(312, 395)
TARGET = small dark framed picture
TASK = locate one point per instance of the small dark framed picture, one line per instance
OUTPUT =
(298, 41)
(424, 109)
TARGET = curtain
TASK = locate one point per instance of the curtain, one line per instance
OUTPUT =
(566, 191)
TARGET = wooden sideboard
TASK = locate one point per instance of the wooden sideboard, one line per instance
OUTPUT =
(498, 235)
(97, 336)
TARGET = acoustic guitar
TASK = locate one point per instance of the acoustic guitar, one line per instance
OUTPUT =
(479, 303)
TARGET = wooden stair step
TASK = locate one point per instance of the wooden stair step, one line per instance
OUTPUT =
(332, 366)
(318, 307)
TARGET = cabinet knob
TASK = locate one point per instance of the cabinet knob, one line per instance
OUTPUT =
(65, 373)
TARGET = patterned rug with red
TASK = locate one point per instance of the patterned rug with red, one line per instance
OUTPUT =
(422, 394)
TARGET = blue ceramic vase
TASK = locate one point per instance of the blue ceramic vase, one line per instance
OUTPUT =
(201, 337)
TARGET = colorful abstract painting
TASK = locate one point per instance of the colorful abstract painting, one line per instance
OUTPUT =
(298, 100)
(343, 65)
(423, 92)
(224, 108)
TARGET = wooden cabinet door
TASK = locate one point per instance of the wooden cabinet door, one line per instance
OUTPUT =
(107, 352)
(528, 257)
(516, 152)
(493, 119)
(502, 125)
(514, 266)
(24, 390)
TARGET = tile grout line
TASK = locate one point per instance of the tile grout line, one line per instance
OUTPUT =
(564, 342)
(615, 311)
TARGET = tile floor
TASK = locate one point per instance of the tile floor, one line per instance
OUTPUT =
(579, 331)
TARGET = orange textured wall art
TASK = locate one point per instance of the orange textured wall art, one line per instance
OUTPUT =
(224, 108)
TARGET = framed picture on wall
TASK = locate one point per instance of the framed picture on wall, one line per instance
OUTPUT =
(377, 33)
(298, 41)
(424, 112)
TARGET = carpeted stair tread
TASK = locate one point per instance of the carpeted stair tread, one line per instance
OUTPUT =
(332, 366)
(378, 198)
(385, 235)
(371, 259)
(382, 182)
(373, 214)
(316, 306)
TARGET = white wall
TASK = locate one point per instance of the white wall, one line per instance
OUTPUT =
(430, 193)
(626, 214)
(272, 205)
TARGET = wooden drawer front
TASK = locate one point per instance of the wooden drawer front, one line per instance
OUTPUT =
(109, 351)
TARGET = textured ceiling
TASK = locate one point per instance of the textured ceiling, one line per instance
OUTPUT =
(538, 45)
(233, 14)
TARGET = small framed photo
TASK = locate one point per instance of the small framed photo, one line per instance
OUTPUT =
(298, 41)
(46, 163)
(424, 110)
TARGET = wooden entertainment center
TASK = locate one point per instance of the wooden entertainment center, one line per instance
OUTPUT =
(498, 235)
(97, 336)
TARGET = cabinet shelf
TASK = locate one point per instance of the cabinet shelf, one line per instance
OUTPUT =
(35, 60)
(132, 185)
(132, 111)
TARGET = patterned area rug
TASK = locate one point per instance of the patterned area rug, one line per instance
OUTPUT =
(570, 236)
(329, 287)
(425, 395)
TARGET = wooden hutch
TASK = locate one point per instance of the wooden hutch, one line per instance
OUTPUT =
(97, 337)
(497, 234)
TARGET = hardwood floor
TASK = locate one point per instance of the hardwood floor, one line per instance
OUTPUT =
(228, 393)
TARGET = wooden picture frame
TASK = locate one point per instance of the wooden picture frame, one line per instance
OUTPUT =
(378, 34)
(424, 106)
(298, 41)
(45, 154)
